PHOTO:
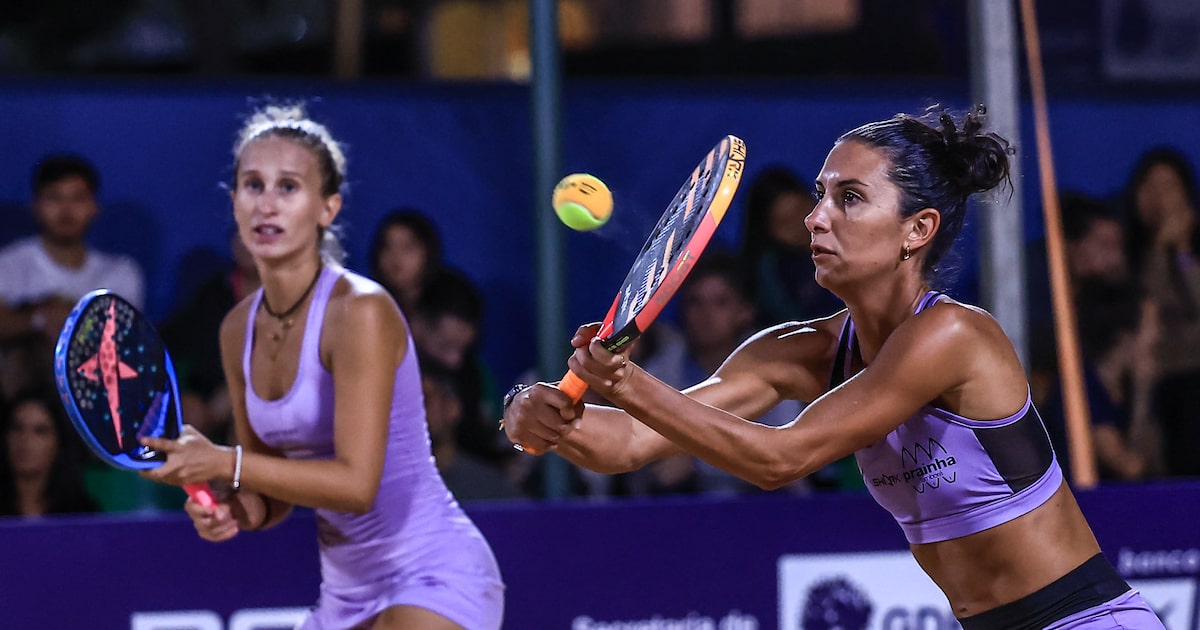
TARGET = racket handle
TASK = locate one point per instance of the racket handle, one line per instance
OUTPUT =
(201, 493)
(572, 386)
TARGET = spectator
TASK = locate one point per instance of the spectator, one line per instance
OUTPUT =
(1163, 243)
(46, 273)
(1117, 336)
(716, 314)
(406, 251)
(40, 459)
(192, 335)
(775, 249)
(446, 327)
(1095, 251)
(468, 477)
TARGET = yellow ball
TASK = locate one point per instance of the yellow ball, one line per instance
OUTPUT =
(582, 201)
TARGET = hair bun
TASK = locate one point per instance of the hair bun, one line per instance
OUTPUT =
(976, 161)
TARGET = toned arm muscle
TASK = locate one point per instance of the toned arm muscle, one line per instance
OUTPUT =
(363, 341)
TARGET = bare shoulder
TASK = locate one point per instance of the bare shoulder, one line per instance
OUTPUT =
(796, 357)
(358, 301)
(957, 322)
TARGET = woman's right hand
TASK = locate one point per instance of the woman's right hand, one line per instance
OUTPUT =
(538, 418)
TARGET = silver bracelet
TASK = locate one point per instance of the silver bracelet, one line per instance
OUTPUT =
(237, 468)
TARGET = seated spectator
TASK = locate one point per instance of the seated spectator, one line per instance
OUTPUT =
(716, 314)
(1117, 336)
(1094, 249)
(775, 250)
(468, 477)
(446, 328)
(192, 334)
(40, 457)
(406, 250)
(44, 275)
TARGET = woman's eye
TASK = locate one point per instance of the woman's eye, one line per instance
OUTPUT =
(850, 196)
(252, 184)
(287, 187)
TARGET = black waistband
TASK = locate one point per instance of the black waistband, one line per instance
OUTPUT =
(1090, 584)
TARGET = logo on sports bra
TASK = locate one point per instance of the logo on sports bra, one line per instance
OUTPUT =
(923, 466)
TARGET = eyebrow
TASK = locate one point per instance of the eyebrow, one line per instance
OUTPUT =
(284, 173)
(842, 183)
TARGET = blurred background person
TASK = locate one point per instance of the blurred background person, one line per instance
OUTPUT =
(467, 476)
(775, 249)
(446, 326)
(1163, 244)
(716, 313)
(44, 274)
(192, 335)
(40, 457)
(406, 252)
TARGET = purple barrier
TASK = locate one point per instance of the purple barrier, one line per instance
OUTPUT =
(739, 564)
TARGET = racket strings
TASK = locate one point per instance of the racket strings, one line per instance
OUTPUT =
(672, 234)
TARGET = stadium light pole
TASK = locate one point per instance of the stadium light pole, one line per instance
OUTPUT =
(994, 82)
(546, 95)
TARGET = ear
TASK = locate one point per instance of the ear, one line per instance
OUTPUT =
(329, 212)
(923, 226)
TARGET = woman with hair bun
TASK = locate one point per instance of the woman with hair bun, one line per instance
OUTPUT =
(926, 392)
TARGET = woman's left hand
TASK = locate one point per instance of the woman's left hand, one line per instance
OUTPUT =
(604, 372)
(190, 459)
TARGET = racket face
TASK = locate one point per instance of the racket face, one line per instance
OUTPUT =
(678, 239)
(116, 381)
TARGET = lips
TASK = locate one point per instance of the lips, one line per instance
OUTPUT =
(818, 250)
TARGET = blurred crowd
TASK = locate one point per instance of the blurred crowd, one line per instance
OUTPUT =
(1134, 278)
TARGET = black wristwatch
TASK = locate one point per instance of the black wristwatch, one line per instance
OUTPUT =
(512, 393)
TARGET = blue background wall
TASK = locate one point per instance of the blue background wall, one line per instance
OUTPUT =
(463, 154)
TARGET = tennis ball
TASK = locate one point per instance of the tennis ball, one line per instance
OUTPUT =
(582, 201)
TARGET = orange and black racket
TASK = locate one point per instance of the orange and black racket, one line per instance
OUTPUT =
(671, 250)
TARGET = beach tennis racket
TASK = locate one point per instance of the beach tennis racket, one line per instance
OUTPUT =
(671, 250)
(118, 385)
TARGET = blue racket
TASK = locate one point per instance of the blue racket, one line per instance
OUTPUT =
(118, 384)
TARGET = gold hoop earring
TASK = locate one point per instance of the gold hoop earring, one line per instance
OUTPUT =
(906, 254)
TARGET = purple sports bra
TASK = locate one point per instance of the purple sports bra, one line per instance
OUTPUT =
(944, 476)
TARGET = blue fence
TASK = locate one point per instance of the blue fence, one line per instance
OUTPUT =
(463, 154)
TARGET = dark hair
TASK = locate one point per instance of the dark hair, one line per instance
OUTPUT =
(419, 225)
(1107, 309)
(939, 163)
(65, 492)
(770, 184)
(726, 267)
(292, 121)
(1079, 213)
(451, 293)
(439, 373)
(57, 167)
(1138, 233)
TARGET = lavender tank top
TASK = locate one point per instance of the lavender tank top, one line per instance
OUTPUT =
(944, 476)
(413, 512)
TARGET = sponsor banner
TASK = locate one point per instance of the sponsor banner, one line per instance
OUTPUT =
(1173, 600)
(728, 564)
(859, 591)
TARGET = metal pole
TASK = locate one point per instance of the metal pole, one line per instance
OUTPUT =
(994, 82)
(546, 88)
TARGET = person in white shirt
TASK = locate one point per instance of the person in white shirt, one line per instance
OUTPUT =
(41, 276)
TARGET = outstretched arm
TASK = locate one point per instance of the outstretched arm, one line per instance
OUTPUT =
(946, 353)
(610, 440)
